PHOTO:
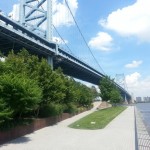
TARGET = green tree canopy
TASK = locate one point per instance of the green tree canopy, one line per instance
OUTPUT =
(109, 91)
(115, 96)
(19, 93)
(28, 86)
(106, 86)
(6, 114)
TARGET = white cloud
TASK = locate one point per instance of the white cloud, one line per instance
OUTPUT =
(61, 14)
(132, 79)
(2, 59)
(134, 64)
(137, 85)
(130, 21)
(102, 41)
(15, 12)
(59, 40)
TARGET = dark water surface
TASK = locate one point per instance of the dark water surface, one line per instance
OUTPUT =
(144, 108)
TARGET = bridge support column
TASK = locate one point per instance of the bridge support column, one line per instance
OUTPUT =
(125, 99)
(50, 61)
(56, 49)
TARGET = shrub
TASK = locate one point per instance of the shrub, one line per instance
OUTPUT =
(51, 109)
(5, 113)
(20, 93)
(115, 97)
(71, 108)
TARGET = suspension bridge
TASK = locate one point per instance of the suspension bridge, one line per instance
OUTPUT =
(34, 30)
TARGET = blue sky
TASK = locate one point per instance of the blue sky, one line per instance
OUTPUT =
(117, 32)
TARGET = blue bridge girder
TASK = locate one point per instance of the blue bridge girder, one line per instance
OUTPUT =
(15, 36)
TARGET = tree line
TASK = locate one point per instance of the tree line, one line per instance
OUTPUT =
(30, 88)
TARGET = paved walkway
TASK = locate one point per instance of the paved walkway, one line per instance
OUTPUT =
(118, 135)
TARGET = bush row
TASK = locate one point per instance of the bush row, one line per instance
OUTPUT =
(30, 88)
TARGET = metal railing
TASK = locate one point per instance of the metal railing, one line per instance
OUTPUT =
(142, 138)
(136, 134)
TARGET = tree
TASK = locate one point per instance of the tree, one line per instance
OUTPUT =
(19, 93)
(2, 67)
(115, 96)
(15, 64)
(70, 91)
(86, 95)
(94, 92)
(109, 91)
(106, 86)
(5, 112)
(51, 82)
(29, 84)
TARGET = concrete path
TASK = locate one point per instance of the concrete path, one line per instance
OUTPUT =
(118, 135)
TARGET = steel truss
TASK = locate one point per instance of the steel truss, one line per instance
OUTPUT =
(36, 15)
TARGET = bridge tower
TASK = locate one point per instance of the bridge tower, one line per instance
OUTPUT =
(36, 15)
(120, 80)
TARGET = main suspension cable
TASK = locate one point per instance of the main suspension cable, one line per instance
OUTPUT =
(83, 36)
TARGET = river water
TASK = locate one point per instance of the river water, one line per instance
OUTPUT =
(144, 108)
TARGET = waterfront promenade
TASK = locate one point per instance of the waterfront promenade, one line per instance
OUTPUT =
(118, 135)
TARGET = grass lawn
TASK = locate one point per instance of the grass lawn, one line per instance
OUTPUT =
(98, 119)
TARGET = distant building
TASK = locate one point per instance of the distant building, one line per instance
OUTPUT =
(138, 99)
(146, 99)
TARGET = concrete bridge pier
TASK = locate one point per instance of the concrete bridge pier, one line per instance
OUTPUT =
(50, 61)
(125, 99)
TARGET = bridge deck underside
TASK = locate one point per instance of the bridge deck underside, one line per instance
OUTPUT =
(76, 71)
(12, 40)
